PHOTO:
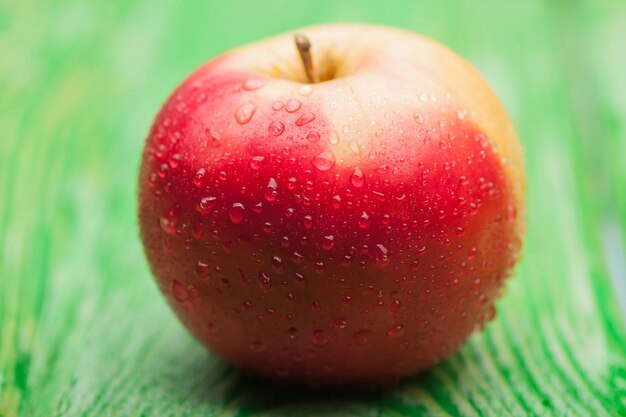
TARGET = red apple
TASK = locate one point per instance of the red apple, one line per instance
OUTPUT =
(341, 216)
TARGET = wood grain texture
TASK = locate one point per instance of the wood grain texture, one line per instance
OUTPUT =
(84, 331)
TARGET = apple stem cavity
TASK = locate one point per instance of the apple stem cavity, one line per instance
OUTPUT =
(304, 49)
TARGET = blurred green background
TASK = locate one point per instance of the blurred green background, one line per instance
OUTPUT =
(84, 331)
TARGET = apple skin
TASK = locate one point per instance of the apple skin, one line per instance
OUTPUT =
(350, 231)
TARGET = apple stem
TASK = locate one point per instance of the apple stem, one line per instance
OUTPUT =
(304, 49)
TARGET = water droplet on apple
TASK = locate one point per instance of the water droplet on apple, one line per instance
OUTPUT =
(198, 179)
(292, 184)
(265, 282)
(293, 105)
(277, 105)
(336, 201)
(313, 136)
(306, 118)
(253, 84)
(277, 264)
(205, 205)
(382, 255)
(340, 322)
(178, 291)
(292, 333)
(357, 179)
(362, 337)
(355, 147)
(202, 270)
(328, 242)
(299, 278)
(418, 118)
(320, 338)
(364, 221)
(308, 221)
(244, 113)
(396, 331)
(334, 138)
(256, 162)
(236, 213)
(276, 128)
(324, 161)
(169, 219)
(271, 190)
(212, 137)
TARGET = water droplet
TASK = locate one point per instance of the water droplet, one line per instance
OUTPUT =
(292, 184)
(256, 162)
(315, 306)
(198, 179)
(364, 221)
(169, 219)
(396, 331)
(336, 201)
(334, 138)
(308, 221)
(299, 277)
(292, 333)
(277, 105)
(340, 322)
(382, 255)
(252, 84)
(244, 113)
(418, 118)
(276, 128)
(202, 270)
(277, 263)
(222, 175)
(328, 242)
(174, 160)
(297, 258)
(305, 90)
(293, 105)
(270, 190)
(205, 205)
(313, 136)
(324, 161)
(212, 137)
(265, 282)
(355, 147)
(178, 291)
(362, 337)
(228, 246)
(420, 251)
(414, 265)
(306, 118)
(237, 212)
(320, 338)
(357, 178)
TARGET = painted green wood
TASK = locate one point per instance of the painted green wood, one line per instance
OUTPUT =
(84, 331)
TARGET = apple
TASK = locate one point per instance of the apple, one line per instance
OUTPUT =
(337, 207)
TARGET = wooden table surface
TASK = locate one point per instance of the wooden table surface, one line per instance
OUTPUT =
(84, 330)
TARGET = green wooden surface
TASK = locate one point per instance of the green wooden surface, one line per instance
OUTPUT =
(84, 331)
